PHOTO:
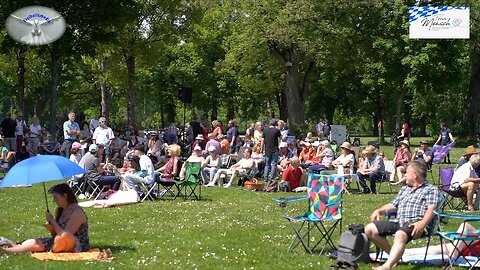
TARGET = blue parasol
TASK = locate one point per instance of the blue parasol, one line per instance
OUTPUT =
(41, 169)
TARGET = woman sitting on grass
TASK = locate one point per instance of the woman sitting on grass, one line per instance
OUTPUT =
(448, 249)
(69, 228)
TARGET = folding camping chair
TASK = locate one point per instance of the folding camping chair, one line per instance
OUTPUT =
(388, 175)
(169, 187)
(192, 180)
(325, 206)
(445, 175)
(77, 184)
(430, 227)
(456, 238)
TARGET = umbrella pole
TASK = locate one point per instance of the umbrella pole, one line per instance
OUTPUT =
(45, 193)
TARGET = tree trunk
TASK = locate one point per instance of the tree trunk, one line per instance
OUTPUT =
(398, 120)
(106, 93)
(214, 113)
(422, 127)
(231, 110)
(330, 106)
(282, 105)
(131, 94)
(20, 55)
(296, 90)
(470, 116)
(55, 73)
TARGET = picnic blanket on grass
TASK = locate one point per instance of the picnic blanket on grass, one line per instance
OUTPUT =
(432, 259)
(119, 198)
(91, 255)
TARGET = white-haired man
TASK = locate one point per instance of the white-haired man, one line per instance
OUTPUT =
(103, 135)
(466, 182)
(414, 205)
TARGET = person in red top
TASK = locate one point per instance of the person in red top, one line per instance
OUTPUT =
(293, 174)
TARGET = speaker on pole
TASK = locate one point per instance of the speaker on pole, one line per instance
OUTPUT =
(185, 94)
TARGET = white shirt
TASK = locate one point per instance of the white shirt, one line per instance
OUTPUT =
(147, 165)
(342, 159)
(102, 135)
(465, 171)
(35, 129)
(20, 125)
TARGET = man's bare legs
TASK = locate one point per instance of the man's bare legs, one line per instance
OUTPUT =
(396, 252)
(372, 233)
(234, 173)
(469, 188)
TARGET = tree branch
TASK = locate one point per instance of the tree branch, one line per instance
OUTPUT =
(272, 48)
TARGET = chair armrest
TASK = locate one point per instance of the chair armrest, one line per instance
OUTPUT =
(292, 199)
(457, 216)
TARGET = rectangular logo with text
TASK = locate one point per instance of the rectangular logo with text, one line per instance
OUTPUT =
(446, 22)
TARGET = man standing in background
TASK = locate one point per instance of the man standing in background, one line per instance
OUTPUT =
(70, 132)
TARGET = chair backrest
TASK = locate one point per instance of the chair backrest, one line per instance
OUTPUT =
(446, 175)
(389, 169)
(226, 160)
(325, 193)
(356, 153)
(192, 171)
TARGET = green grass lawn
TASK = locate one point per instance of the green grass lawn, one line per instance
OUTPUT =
(228, 229)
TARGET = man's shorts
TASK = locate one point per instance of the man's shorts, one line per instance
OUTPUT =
(391, 227)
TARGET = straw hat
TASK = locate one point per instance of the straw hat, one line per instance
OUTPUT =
(470, 150)
(369, 149)
(406, 142)
(346, 145)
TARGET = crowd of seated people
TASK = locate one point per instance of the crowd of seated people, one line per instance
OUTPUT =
(208, 143)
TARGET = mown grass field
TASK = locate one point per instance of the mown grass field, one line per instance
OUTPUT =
(227, 229)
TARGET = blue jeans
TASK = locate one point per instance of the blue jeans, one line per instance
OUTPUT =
(372, 177)
(111, 180)
(271, 161)
(211, 170)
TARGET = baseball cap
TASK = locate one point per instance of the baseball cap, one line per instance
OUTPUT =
(93, 148)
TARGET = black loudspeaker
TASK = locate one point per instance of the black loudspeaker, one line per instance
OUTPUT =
(185, 94)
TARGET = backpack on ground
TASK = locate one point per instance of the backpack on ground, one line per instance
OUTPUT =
(354, 247)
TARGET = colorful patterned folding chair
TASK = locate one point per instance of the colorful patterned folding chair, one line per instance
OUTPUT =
(325, 206)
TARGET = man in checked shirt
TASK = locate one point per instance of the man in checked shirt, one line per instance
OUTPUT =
(414, 205)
